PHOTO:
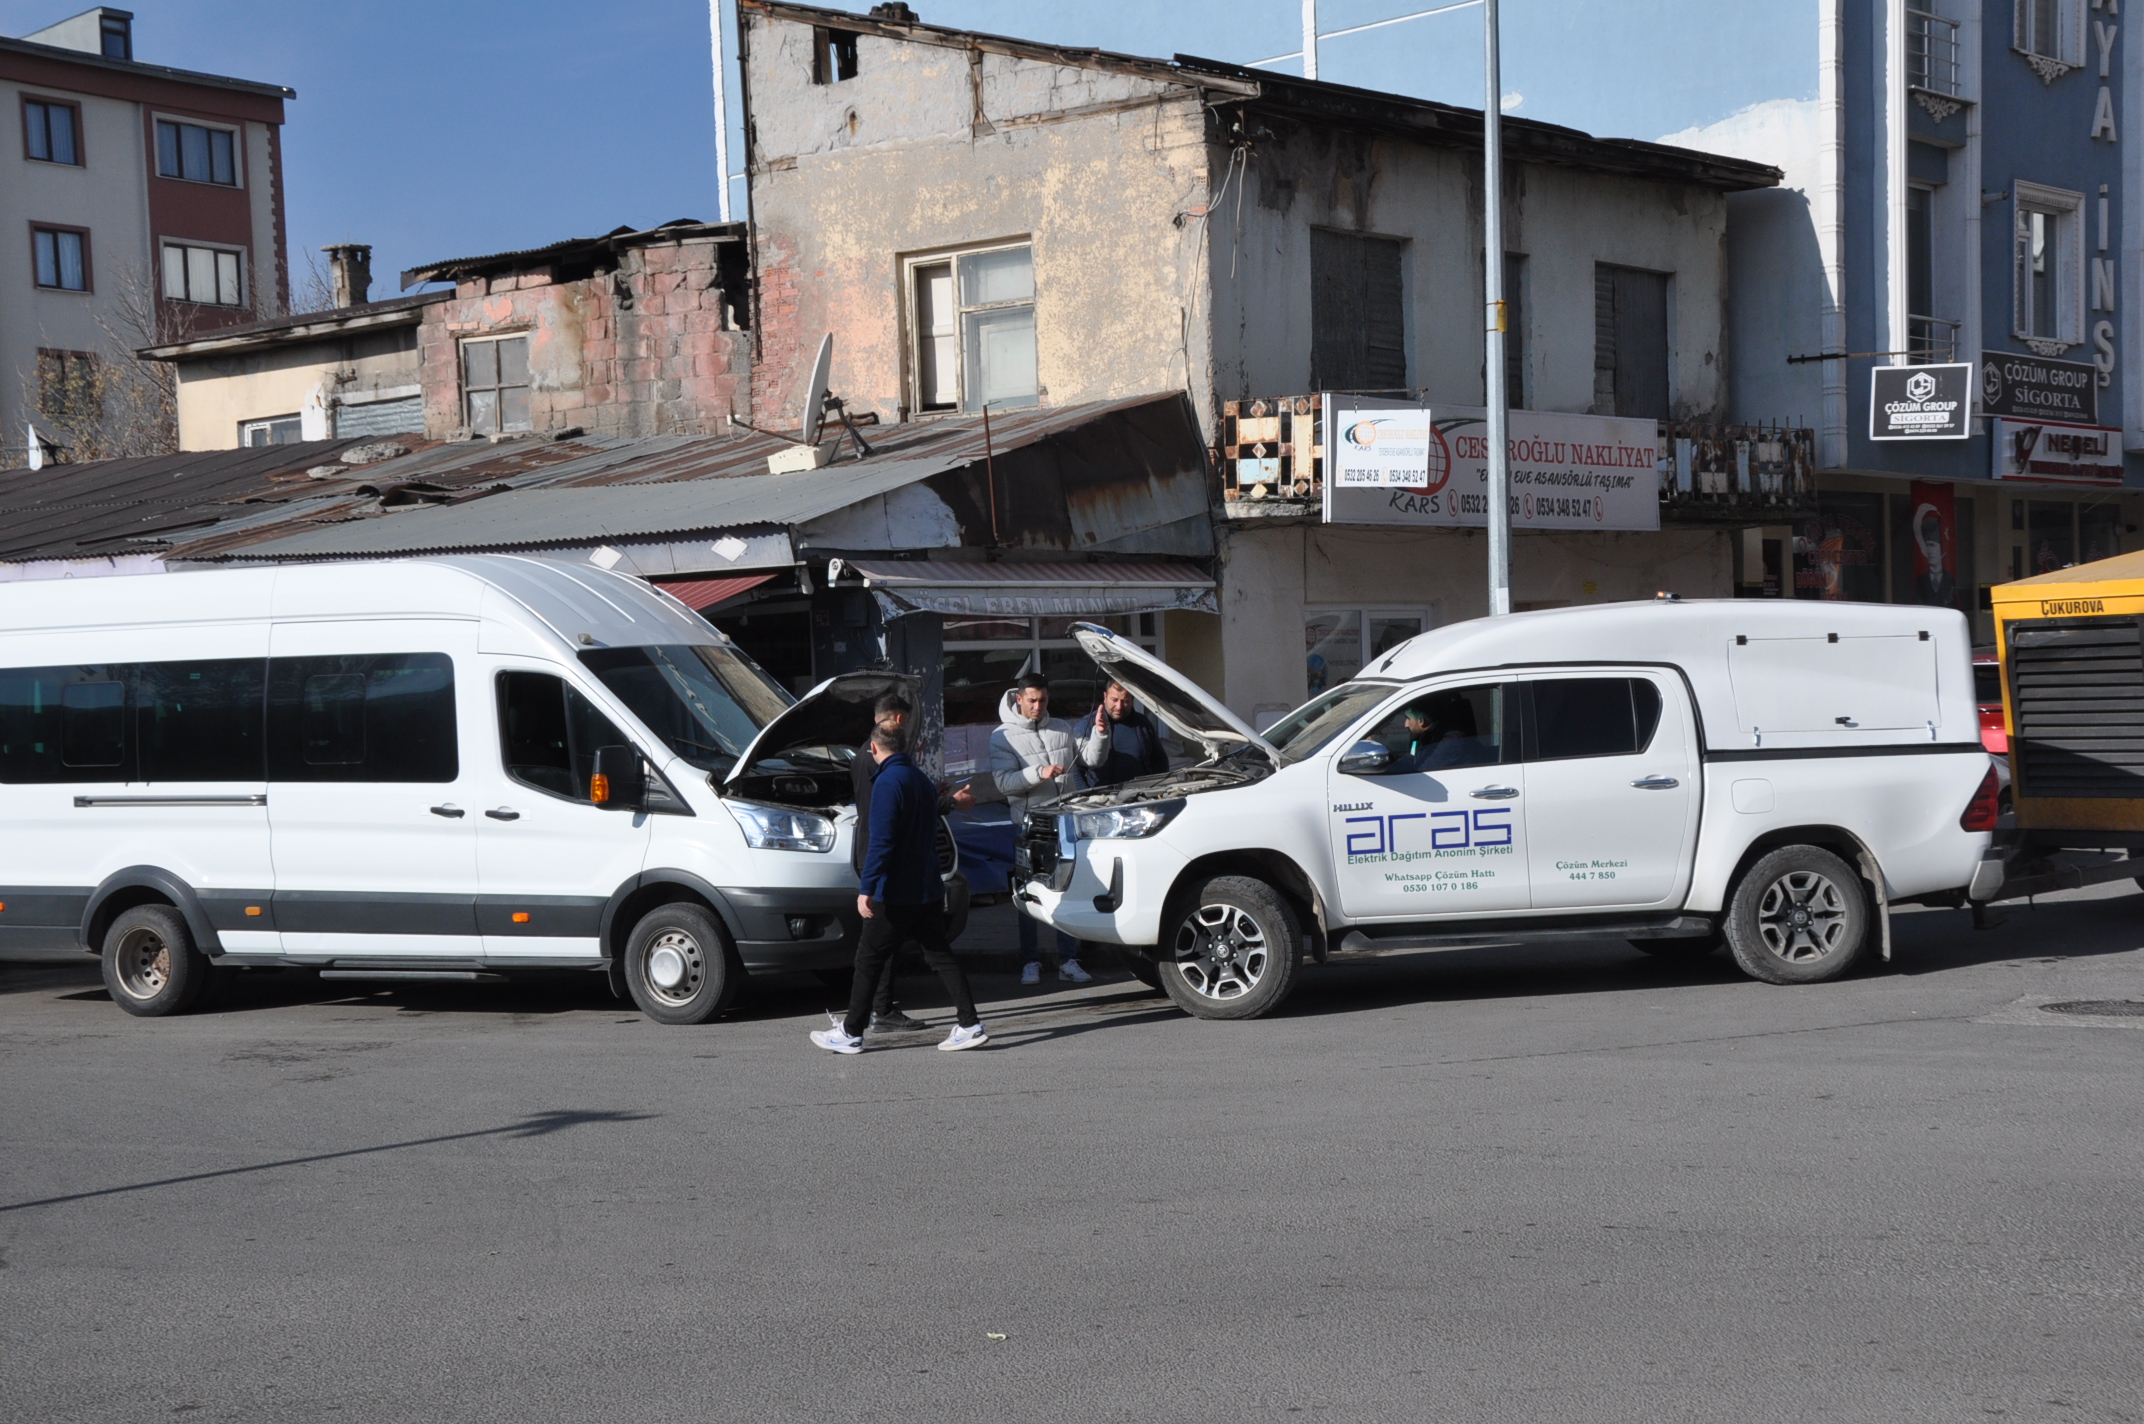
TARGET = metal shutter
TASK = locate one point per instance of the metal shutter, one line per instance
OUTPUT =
(387, 417)
(2077, 693)
(1358, 319)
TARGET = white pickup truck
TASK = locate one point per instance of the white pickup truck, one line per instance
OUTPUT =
(1771, 775)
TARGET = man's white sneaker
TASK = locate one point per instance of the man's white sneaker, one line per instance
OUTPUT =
(1069, 969)
(971, 1037)
(837, 1040)
(1031, 974)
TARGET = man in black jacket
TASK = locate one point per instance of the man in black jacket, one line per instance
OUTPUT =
(1134, 743)
(893, 713)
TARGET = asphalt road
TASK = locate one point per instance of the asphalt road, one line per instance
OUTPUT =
(1522, 1184)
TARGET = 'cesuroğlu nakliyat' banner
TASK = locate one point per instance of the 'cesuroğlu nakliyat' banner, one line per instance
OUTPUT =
(1567, 471)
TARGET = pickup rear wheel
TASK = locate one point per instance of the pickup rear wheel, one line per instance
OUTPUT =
(150, 964)
(678, 965)
(1798, 916)
(1232, 952)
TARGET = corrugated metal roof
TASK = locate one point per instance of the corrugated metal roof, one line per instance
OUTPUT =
(1010, 572)
(706, 593)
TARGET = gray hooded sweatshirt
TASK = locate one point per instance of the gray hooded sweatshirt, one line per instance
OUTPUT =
(1020, 748)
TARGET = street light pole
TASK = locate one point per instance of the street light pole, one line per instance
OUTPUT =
(1310, 39)
(1492, 148)
(722, 114)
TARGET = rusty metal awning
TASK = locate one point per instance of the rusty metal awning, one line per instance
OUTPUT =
(1009, 589)
(706, 593)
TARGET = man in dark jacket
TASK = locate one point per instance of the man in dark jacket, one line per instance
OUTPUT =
(892, 712)
(1134, 744)
(901, 897)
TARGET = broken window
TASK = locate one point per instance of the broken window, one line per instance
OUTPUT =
(67, 391)
(211, 276)
(974, 324)
(1630, 342)
(833, 55)
(196, 153)
(495, 383)
(1358, 317)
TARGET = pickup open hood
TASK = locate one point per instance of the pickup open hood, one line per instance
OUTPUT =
(1188, 708)
(836, 713)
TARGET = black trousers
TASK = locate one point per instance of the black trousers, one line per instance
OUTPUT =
(883, 934)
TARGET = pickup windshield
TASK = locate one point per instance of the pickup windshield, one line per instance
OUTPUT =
(1302, 732)
(706, 703)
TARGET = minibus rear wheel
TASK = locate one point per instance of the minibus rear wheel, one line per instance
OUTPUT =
(1800, 915)
(679, 966)
(150, 964)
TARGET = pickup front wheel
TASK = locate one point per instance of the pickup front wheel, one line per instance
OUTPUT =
(1231, 953)
(1798, 916)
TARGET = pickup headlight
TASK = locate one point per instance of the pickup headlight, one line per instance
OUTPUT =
(1125, 823)
(779, 828)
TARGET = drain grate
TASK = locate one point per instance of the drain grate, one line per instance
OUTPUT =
(2099, 1008)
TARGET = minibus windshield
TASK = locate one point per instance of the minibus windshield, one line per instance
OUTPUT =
(706, 703)
(1298, 735)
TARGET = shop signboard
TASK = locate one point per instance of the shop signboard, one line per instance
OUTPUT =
(2052, 452)
(1920, 402)
(1567, 471)
(2035, 388)
(1379, 449)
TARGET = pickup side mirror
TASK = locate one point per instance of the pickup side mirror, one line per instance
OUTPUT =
(1365, 759)
(620, 782)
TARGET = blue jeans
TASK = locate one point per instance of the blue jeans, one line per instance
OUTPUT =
(1031, 948)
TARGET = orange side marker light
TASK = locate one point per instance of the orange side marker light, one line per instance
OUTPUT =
(599, 788)
(521, 917)
(254, 911)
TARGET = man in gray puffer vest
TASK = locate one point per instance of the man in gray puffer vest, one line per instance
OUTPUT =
(1033, 760)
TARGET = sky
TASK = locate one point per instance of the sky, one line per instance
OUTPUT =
(447, 128)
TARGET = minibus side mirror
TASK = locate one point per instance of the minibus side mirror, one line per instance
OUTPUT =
(1365, 759)
(620, 782)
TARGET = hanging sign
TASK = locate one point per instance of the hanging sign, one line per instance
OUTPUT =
(1379, 449)
(1567, 471)
(2035, 388)
(1920, 402)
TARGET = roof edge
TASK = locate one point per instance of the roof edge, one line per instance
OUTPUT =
(161, 71)
(298, 327)
(456, 268)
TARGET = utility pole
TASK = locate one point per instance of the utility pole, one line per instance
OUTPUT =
(1492, 261)
(1310, 39)
(722, 114)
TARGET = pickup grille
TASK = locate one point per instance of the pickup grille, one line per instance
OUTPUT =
(1036, 853)
(948, 850)
(2077, 694)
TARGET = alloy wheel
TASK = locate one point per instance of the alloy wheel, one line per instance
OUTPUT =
(1221, 952)
(1802, 917)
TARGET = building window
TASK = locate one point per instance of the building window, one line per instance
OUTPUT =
(67, 388)
(495, 383)
(1630, 342)
(210, 276)
(116, 34)
(1339, 642)
(51, 131)
(1358, 314)
(974, 323)
(274, 430)
(196, 154)
(984, 655)
(2051, 29)
(1928, 337)
(833, 55)
(61, 257)
(1515, 330)
(2048, 263)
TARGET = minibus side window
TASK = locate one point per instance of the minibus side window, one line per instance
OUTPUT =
(362, 717)
(200, 721)
(548, 733)
(30, 724)
(93, 725)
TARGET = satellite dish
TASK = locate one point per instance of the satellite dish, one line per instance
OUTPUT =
(815, 392)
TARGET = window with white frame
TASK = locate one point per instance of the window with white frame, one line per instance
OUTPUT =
(273, 430)
(973, 319)
(2050, 29)
(2048, 266)
(495, 383)
(984, 655)
(210, 276)
(1339, 642)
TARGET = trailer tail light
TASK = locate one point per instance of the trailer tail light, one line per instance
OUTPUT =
(1981, 811)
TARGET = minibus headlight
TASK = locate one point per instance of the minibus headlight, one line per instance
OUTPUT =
(779, 828)
(1125, 823)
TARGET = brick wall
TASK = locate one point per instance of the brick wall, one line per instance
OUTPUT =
(647, 348)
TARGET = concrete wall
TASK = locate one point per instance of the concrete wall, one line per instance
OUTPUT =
(219, 393)
(1271, 574)
(926, 149)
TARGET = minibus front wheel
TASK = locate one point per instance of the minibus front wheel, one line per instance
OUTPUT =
(150, 964)
(678, 965)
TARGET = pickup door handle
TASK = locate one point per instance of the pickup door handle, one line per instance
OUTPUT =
(503, 814)
(1496, 793)
(1655, 783)
(451, 811)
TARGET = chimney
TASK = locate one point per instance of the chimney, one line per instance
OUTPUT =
(351, 264)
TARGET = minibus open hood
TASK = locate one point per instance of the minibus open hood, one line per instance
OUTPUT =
(1189, 709)
(836, 713)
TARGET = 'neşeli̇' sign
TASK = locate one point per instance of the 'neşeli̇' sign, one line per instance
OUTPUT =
(1410, 465)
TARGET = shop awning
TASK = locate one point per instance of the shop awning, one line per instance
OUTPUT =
(706, 593)
(1009, 589)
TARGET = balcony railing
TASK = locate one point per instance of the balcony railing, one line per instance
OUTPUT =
(1932, 53)
(1931, 338)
